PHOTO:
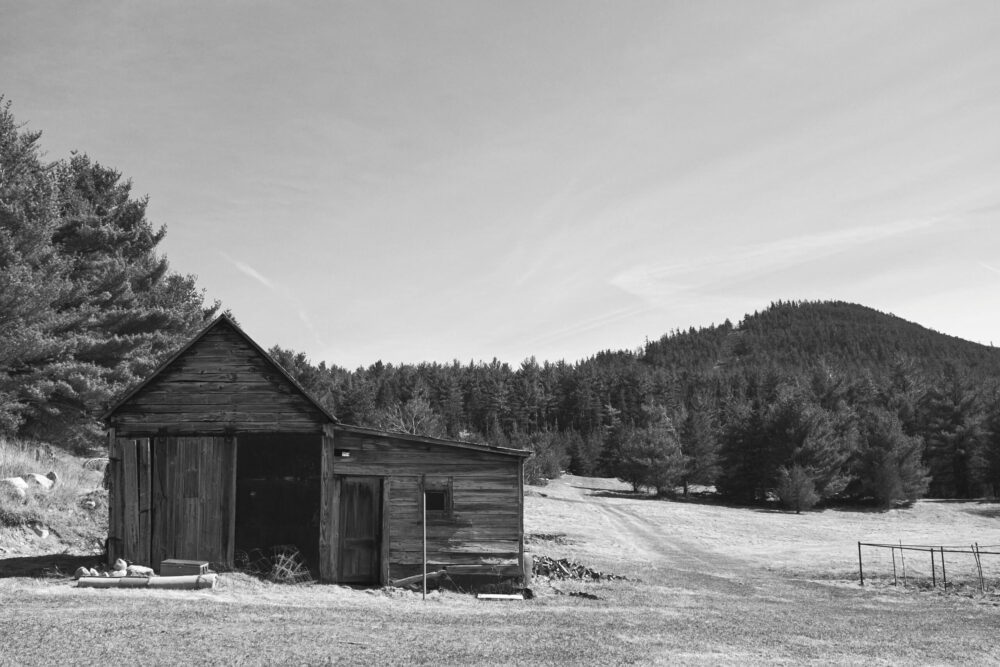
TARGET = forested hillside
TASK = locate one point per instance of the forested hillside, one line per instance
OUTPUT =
(804, 401)
(87, 305)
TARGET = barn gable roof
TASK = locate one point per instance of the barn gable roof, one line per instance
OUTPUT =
(221, 321)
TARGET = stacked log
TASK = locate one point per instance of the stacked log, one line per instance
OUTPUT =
(564, 568)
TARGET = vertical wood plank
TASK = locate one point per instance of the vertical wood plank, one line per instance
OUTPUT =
(115, 530)
(230, 501)
(328, 513)
(178, 497)
(525, 575)
(170, 501)
(158, 447)
(384, 556)
(210, 491)
(142, 554)
(205, 474)
(335, 528)
(130, 508)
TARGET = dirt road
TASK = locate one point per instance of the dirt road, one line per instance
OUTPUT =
(629, 535)
(599, 519)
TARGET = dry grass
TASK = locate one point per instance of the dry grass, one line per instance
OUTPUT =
(62, 510)
(820, 544)
(715, 585)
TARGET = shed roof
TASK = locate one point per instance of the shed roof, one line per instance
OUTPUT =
(409, 437)
(227, 321)
(221, 320)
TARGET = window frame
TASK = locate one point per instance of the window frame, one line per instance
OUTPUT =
(444, 485)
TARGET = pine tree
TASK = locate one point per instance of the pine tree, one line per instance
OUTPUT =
(700, 446)
(955, 439)
(796, 488)
(88, 305)
(650, 455)
(888, 468)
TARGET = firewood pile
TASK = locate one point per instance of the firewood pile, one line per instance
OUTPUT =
(566, 569)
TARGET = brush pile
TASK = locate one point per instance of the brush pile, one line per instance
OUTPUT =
(566, 569)
(282, 564)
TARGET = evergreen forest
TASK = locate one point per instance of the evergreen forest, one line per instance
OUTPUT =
(804, 402)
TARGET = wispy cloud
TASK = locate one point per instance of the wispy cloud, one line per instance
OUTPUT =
(727, 265)
(245, 268)
(291, 298)
(582, 326)
(989, 267)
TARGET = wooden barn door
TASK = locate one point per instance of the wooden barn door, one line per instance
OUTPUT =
(360, 530)
(193, 499)
(129, 500)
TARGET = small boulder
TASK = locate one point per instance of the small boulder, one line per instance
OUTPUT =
(81, 572)
(38, 480)
(120, 564)
(140, 571)
(13, 491)
(15, 486)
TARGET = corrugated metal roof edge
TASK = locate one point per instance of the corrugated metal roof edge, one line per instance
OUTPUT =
(363, 430)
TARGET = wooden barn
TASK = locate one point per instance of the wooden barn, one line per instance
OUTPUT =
(220, 452)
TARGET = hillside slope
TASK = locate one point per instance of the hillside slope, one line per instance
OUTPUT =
(798, 335)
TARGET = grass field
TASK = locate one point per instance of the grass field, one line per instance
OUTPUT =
(707, 585)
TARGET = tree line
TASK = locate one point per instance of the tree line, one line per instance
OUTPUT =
(802, 402)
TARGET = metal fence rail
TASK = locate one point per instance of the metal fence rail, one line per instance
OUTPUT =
(973, 566)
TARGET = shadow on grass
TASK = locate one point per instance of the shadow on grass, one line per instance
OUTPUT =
(48, 565)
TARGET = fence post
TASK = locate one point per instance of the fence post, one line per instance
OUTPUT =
(933, 573)
(902, 561)
(861, 569)
(979, 566)
(944, 572)
(893, 549)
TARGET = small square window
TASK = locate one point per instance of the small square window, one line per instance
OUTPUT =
(436, 500)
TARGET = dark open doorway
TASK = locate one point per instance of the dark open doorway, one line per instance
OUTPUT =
(278, 486)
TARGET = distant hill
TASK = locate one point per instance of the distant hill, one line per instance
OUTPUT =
(793, 336)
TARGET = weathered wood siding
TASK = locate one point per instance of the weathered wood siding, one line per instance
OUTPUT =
(129, 499)
(193, 491)
(220, 384)
(482, 525)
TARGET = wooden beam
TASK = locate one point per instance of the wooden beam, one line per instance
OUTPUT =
(231, 443)
(145, 492)
(525, 575)
(329, 507)
(385, 555)
(115, 517)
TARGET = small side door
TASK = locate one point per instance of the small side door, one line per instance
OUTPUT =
(360, 530)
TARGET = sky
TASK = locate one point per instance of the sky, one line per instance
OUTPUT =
(431, 181)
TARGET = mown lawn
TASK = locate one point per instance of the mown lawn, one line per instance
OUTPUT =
(707, 585)
(695, 622)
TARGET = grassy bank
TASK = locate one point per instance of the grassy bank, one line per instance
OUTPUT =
(71, 515)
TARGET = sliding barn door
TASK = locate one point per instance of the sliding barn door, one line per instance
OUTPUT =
(193, 498)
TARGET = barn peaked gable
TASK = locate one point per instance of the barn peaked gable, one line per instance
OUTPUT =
(219, 381)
